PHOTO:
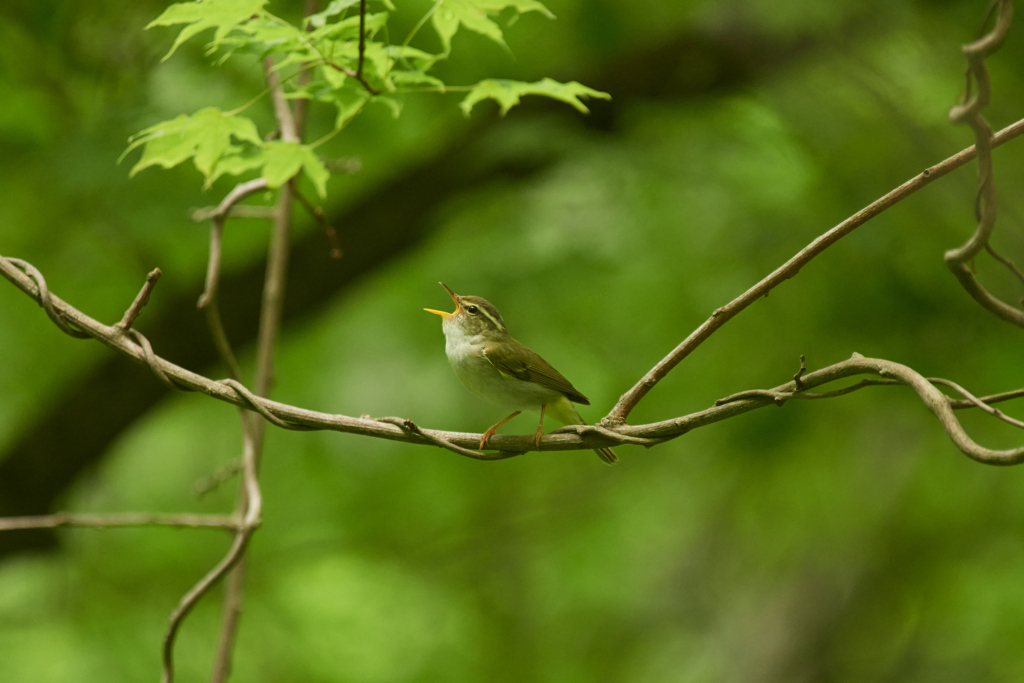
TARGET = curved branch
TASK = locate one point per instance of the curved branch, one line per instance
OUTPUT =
(976, 402)
(586, 437)
(250, 522)
(938, 403)
(208, 300)
(789, 269)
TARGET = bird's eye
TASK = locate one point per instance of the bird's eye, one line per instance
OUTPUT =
(472, 309)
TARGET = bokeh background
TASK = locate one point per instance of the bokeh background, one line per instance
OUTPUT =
(840, 540)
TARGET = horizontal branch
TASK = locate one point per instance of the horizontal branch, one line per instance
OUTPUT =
(126, 519)
(237, 211)
(959, 404)
(573, 437)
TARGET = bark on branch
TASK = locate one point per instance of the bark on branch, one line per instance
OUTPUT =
(569, 438)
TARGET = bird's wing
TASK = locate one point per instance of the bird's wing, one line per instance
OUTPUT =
(525, 365)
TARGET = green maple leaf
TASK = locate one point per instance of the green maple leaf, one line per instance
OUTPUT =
(224, 15)
(472, 14)
(205, 137)
(337, 7)
(236, 161)
(507, 93)
(284, 160)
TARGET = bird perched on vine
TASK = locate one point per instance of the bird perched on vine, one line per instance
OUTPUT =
(502, 371)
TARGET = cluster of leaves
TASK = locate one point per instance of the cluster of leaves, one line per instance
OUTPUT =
(343, 64)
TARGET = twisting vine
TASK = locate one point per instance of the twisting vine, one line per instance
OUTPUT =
(978, 93)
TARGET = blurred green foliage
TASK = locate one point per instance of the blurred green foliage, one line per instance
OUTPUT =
(840, 540)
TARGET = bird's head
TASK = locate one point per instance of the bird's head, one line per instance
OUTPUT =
(472, 316)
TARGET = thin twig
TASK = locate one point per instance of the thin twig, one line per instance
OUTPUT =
(789, 269)
(238, 211)
(937, 402)
(362, 38)
(237, 194)
(779, 398)
(269, 329)
(140, 300)
(800, 373)
(250, 522)
(113, 519)
(993, 398)
(318, 214)
(1005, 261)
(358, 75)
(977, 402)
(210, 483)
(208, 301)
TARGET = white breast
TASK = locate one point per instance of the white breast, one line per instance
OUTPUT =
(485, 381)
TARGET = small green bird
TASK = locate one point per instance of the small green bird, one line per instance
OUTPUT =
(500, 370)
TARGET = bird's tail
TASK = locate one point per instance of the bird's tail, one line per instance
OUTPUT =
(564, 411)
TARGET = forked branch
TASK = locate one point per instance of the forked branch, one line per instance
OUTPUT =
(789, 269)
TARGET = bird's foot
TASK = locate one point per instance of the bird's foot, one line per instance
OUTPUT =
(540, 428)
(490, 432)
(485, 438)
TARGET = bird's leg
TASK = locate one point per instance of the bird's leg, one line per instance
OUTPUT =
(490, 432)
(540, 428)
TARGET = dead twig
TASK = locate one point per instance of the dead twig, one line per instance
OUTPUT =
(318, 213)
(140, 300)
(800, 373)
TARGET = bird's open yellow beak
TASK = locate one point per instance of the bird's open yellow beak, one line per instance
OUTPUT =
(455, 298)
